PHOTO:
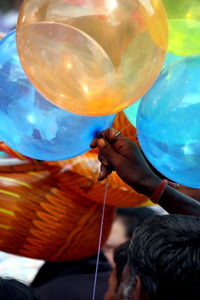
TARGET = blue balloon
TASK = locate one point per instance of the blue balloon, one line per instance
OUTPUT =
(131, 111)
(33, 126)
(168, 123)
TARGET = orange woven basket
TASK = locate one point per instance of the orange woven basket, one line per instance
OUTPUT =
(40, 220)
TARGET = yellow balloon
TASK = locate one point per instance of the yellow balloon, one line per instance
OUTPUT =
(184, 37)
(184, 26)
(92, 57)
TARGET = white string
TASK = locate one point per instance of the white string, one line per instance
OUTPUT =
(101, 232)
(125, 128)
(100, 240)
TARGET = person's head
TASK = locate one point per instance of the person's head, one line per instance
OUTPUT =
(163, 260)
(120, 260)
(127, 219)
(11, 289)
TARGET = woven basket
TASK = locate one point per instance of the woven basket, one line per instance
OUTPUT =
(40, 220)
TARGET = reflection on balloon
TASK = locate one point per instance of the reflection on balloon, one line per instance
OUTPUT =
(168, 123)
(184, 26)
(131, 111)
(92, 57)
(33, 126)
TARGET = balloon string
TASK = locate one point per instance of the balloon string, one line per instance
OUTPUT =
(100, 240)
(125, 128)
(101, 231)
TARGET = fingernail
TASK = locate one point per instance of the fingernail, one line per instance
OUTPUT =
(105, 163)
(100, 176)
(101, 143)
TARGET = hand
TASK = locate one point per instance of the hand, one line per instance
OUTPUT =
(117, 153)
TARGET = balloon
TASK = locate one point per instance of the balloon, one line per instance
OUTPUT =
(92, 57)
(182, 9)
(184, 37)
(168, 123)
(184, 26)
(33, 126)
(131, 111)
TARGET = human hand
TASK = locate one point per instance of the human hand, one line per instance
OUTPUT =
(117, 153)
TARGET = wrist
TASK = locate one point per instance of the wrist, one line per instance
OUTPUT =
(149, 184)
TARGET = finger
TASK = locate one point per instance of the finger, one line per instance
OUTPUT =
(110, 134)
(117, 140)
(107, 154)
(94, 143)
(101, 143)
(103, 160)
(104, 172)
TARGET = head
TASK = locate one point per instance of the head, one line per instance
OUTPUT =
(126, 220)
(11, 289)
(163, 261)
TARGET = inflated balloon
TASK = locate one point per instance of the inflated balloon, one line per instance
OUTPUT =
(184, 37)
(92, 57)
(182, 9)
(184, 26)
(168, 123)
(171, 59)
(131, 111)
(33, 126)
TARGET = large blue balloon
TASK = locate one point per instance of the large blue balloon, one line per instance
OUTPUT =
(131, 111)
(168, 123)
(30, 124)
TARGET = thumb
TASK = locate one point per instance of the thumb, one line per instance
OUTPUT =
(108, 153)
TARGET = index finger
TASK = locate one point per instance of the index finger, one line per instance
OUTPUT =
(110, 134)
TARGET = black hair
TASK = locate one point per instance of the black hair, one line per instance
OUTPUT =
(11, 289)
(133, 217)
(120, 259)
(165, 253)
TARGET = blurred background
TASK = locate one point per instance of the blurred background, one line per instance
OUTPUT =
(8, 14)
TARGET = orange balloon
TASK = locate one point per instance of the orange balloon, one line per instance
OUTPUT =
(92, 57)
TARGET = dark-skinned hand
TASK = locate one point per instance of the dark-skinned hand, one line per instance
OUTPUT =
(117, 153)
